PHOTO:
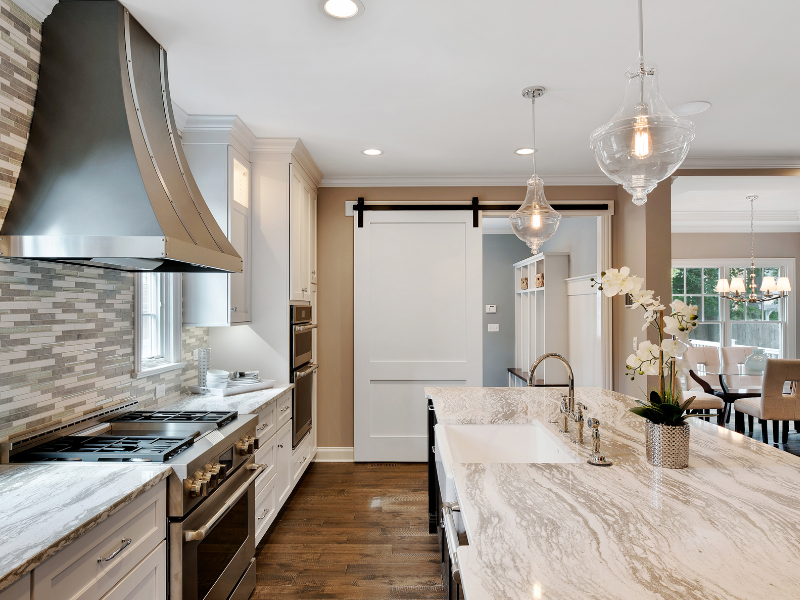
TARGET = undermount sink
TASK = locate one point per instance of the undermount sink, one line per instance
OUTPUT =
(528, 443)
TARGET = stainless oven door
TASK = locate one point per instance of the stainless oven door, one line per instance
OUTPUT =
(211, 549)
(302, 343)
(302, 396)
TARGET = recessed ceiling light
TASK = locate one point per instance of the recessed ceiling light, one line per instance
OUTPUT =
(341, 9)
(524, 151)
(372, 152)
(690, 108)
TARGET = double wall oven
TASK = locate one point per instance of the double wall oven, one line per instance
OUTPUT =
(302, 369)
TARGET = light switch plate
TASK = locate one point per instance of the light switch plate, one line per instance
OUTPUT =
(635, 344)
(491, 308)
(494, 327)
(161, 390)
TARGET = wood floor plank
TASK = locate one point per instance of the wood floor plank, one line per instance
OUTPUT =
(353, 531)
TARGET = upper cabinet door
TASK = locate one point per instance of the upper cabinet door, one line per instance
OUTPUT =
(300, 236)
(313, 230)
(239, 235)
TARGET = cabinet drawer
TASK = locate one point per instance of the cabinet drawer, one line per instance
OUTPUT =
(19, 590)
(266, 455)
(267, 426)
(266, 508)
(300, 459)
(147, 581)
(75, 573)
(284, 409)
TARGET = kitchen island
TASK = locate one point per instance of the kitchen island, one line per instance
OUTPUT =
(726, 527)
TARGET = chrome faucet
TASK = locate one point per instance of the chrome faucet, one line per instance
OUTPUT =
(568, 409)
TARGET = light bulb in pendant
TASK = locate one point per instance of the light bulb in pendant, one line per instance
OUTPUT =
(536, 221)
(642, 144)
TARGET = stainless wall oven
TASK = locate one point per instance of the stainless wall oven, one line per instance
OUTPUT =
(302, 370)
(214, 546)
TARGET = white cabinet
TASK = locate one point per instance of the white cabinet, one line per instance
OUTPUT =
(19, 590)
(266, 508)
(302, 235)
(147, 580)
(96, 562)
(541, 314)
(222, 171)
(301, 458)
(283, 474)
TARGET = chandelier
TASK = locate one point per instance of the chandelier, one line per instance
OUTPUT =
(645, 141)
(770, 288)
(535, 221)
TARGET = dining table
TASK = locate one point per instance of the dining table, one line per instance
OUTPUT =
(736, 382)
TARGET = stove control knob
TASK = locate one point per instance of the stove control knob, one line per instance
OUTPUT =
(218, 472)
(211, 479)
(198, 488)
(245, 446)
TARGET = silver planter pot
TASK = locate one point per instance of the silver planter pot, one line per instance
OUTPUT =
(667, 445)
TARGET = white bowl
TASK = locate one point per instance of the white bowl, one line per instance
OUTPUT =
(220, 385)
(217, 374)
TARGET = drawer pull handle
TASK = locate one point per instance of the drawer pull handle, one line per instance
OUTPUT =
(125, 543)
(285, 408)
(263, 427)
(280, 445)
(264, 514)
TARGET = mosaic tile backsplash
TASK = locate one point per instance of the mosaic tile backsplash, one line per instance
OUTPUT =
(66, 332)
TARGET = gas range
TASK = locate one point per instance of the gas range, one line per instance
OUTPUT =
(204, 448)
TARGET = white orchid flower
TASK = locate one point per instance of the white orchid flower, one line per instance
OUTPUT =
(673, 326)
(646, 359)
(673, 348)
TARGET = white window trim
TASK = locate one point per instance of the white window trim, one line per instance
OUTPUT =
(172, 343)
(790, 303)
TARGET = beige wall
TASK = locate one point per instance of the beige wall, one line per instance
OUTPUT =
(737, 245)
(641, 241)
(335, 296)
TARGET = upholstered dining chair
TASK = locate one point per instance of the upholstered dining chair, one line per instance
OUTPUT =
(736, 355)
(707, 355)
(704, 402)
(773, 405)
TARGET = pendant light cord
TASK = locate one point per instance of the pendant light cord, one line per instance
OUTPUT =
(752, 237)
(533, 120)
(641, 54)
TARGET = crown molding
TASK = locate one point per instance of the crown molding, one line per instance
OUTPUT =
(776, 221)
(741, 162)
(290, 150)
(729, 227)
(459, 181)
(38, 9)
(218, 129)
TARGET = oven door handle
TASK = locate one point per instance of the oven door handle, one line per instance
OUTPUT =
(302, 328)
(199, 534)
(308, 371)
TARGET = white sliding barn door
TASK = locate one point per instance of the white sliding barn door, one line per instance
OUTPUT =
(418, 295)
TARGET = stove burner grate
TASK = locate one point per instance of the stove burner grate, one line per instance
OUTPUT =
(109, 448)
(221, 418)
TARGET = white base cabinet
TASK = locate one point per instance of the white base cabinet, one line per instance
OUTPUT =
(94, 564)
(19, 590)
(283, 475)
(147, 581)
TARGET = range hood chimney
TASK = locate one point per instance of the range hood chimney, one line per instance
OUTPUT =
(104, 180)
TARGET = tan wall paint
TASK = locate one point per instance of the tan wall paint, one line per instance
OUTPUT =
(737, 245)
(641, 241)
(335, 295)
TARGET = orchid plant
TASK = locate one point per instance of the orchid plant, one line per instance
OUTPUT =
(665, 359)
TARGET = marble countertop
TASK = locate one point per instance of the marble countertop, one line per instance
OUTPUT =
(727, 527)
(249, 403)
(46, 506)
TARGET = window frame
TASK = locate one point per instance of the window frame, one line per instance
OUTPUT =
(788, 304)
(170, 330)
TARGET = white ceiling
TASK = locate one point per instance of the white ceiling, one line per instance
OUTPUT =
(436, 85)
(720, 203)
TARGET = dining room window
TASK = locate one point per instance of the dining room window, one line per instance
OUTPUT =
(723, 322)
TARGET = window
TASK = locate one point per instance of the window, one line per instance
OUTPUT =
(725, 323)
(158, 323)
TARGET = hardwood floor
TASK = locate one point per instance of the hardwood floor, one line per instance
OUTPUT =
(353, 530)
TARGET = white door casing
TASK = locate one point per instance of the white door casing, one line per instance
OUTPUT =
(417, 323)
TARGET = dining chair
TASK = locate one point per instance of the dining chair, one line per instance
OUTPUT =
(732, 356)
(708, 356)
(773, 405)
(704, 402)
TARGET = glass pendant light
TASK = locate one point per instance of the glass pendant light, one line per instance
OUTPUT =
(645, 142)
(535, 221)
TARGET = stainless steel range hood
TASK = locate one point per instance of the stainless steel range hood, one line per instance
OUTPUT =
(104, 180)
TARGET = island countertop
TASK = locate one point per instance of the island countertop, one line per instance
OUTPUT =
(727, 527)
(46, 506)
